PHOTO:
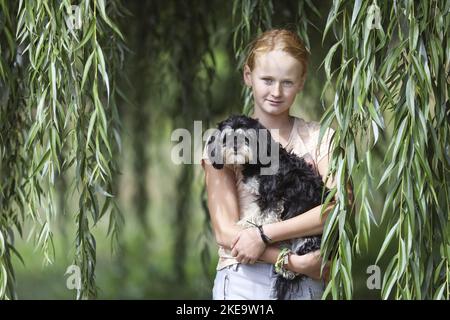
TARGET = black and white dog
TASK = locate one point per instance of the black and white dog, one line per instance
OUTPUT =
(290, 190)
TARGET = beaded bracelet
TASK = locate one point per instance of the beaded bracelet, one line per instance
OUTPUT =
(282, 260)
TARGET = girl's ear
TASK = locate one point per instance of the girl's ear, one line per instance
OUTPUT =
(247, 76)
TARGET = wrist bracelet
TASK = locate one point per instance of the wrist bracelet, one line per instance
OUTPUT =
(265, 238)
(282, 261)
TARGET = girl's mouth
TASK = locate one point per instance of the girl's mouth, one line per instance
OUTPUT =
(274, 102)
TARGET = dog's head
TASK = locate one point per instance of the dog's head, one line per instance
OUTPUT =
(236, 142)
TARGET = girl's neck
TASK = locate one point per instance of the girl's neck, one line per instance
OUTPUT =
(280, 126)
(282, 122)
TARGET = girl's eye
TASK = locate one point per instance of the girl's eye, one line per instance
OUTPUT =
(288, 84)
(268, 81)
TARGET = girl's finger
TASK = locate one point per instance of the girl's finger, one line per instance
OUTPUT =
(235, 240)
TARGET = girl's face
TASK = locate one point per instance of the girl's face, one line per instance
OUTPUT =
(276, 79)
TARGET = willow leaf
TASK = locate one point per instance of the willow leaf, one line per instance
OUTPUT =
(387, 241)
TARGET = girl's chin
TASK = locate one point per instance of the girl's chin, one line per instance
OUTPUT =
(275, 109)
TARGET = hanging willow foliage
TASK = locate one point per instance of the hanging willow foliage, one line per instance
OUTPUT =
(61, 115)
(394, 63)
(13, 125)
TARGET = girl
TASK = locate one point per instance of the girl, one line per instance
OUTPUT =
(275, 69)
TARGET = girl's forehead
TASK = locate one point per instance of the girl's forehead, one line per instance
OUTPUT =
(277, 62)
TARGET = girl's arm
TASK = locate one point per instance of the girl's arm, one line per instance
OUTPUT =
(308, 264)
(309, 223)
(222, 203)
(248, 244)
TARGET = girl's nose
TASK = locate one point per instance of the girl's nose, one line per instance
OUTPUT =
(276, 90)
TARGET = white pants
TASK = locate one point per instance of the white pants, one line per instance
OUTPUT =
(256, 282)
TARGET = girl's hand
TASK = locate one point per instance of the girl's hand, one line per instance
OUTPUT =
(309, 264)
(248, 246)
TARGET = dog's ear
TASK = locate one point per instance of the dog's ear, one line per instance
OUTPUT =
(214, 146)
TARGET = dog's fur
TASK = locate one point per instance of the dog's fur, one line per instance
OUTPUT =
(292, 190)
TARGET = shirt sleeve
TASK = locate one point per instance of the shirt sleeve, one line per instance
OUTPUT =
(321, 149)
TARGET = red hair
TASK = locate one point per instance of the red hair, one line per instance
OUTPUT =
(280, 39)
